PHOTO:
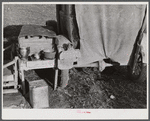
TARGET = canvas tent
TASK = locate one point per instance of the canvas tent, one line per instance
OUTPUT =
(101, 31)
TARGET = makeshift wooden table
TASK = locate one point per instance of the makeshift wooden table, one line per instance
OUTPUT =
(35, 64)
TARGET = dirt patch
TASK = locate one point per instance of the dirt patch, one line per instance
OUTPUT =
(111, 89)
(15, 101)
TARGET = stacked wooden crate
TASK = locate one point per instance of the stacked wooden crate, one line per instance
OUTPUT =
(10, 77)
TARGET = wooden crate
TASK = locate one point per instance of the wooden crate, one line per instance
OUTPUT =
(38, 93)
(10, 79)
(36, 44)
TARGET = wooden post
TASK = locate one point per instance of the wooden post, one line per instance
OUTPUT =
(16, 73)
(56, 79)
(64, 78)
(23, 82)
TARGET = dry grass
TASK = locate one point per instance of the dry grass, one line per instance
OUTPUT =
(113, 90)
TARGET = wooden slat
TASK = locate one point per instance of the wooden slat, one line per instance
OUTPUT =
(9, 64)
(90, 65)
(6, 91)
(8, 78)
(8, 84)
(56, 79)
(7, 47)
(40, 64)
(36, 44)
(16, 73)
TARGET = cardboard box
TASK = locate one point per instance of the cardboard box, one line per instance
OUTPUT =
(39, 94)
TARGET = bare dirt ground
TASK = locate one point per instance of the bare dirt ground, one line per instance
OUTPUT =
(112, 89)
(92, 90)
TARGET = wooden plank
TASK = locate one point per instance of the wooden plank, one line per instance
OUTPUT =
(36, 44)
(9, 64)
(91, 65)
(6, 91)
(7, 47)
(88, 65)
(56, 79)
(8, 78)
(40, 64)
(16, 73)
(40, 67)
(8, 84)
(23, 82)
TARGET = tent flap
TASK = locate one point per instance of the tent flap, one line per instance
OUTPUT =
(108, 31)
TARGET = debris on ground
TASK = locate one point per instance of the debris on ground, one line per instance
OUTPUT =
(89, 89)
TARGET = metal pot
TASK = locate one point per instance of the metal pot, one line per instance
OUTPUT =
(24, 52)
(49, 55)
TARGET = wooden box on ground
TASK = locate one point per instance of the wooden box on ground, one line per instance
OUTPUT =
(39, 93)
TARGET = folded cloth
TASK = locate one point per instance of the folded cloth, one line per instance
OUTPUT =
(66, 56)
(62, 40)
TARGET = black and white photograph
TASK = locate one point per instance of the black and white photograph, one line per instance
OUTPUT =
(87, 59)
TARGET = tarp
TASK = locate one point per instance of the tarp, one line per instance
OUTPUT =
(108, 31)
